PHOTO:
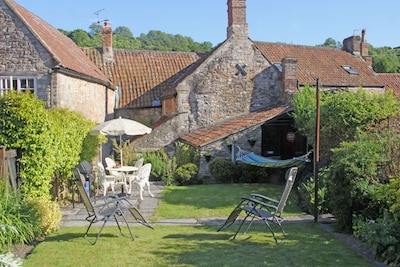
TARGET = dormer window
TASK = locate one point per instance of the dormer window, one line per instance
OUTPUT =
(350, 69)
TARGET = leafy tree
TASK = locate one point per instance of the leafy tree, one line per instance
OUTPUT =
(123, 38)
(385, 59)
(125, 31)
(80, 37)
(343, 114)
(95, 28)
(63, 31)
(331, 43)
(125, 42)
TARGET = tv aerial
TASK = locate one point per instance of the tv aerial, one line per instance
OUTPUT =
(98, 20)
(97, 15)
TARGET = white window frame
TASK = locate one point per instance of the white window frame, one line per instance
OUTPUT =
(350, 69)
(17, 83)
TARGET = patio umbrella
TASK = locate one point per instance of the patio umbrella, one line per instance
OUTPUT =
(120, 127)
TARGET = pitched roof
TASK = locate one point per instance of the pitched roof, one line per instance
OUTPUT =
(143, 76)
(324, 63)
(63, 50)
(212, 133)
(392, 81)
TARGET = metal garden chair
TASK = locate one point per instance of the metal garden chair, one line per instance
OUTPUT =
(111, 206)
(263, 208)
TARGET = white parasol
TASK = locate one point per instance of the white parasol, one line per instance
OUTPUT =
(120, 127)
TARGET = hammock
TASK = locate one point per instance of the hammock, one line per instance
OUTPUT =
(253, 159)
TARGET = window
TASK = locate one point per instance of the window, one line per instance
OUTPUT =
(350, 69)
(20, 84)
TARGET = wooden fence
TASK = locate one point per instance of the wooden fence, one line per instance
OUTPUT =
(8, 166)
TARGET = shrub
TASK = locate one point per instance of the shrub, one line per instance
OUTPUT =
(382, 235)
(48, 212)
(159, 160)
(186, 174)
(250, 174)
(72, 144)
(224, 171)
(25, 126)
(186, 154)
(353, 180)
(19, 223)
(307, 193)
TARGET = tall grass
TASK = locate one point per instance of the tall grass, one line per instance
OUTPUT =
(18, 222)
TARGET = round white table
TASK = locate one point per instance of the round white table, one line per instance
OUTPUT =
(124, 170)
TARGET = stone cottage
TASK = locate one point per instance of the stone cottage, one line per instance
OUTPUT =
(35, 56)
(239, 91)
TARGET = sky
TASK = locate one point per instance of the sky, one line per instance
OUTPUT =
(308, 22)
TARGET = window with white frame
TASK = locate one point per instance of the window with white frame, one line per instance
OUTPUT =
(17, 83)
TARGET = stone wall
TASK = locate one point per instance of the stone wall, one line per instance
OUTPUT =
(23, 55)
(84, 97)
(147, 116)
(236, 79)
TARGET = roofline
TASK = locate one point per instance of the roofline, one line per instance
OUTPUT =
(28, 26)
(285, 111)
(85, 77)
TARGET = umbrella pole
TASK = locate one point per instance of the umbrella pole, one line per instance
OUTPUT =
(120, 146)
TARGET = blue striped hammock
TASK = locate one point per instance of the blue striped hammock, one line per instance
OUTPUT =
(253, 159)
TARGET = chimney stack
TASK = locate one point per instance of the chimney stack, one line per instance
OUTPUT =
(237, 25)
(289, 77)
(108, 54)
(364, 45)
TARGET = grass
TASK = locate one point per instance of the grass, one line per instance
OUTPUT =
(214, 200)
(305, 245)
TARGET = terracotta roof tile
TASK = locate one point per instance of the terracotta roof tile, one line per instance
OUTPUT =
(324, 63)
(392, 81)
(64, 51)
(143, 76)
(217, 131)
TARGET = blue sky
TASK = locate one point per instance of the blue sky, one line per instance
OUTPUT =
(308, 22)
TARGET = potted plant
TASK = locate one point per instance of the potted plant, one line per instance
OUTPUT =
(252, 140)
(207, 155)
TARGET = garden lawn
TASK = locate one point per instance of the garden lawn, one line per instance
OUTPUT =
(215, 200)
(305, 245)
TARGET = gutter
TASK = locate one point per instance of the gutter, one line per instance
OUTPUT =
(78, 75)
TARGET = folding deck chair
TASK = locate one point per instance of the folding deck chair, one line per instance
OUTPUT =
(263, 208)
(111, 206)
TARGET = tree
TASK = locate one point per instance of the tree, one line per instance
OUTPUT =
(343, 114)
(331, 43)
(80, 37)
(122, 30)
(125, 42)
(385, 59)
(95, 28)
